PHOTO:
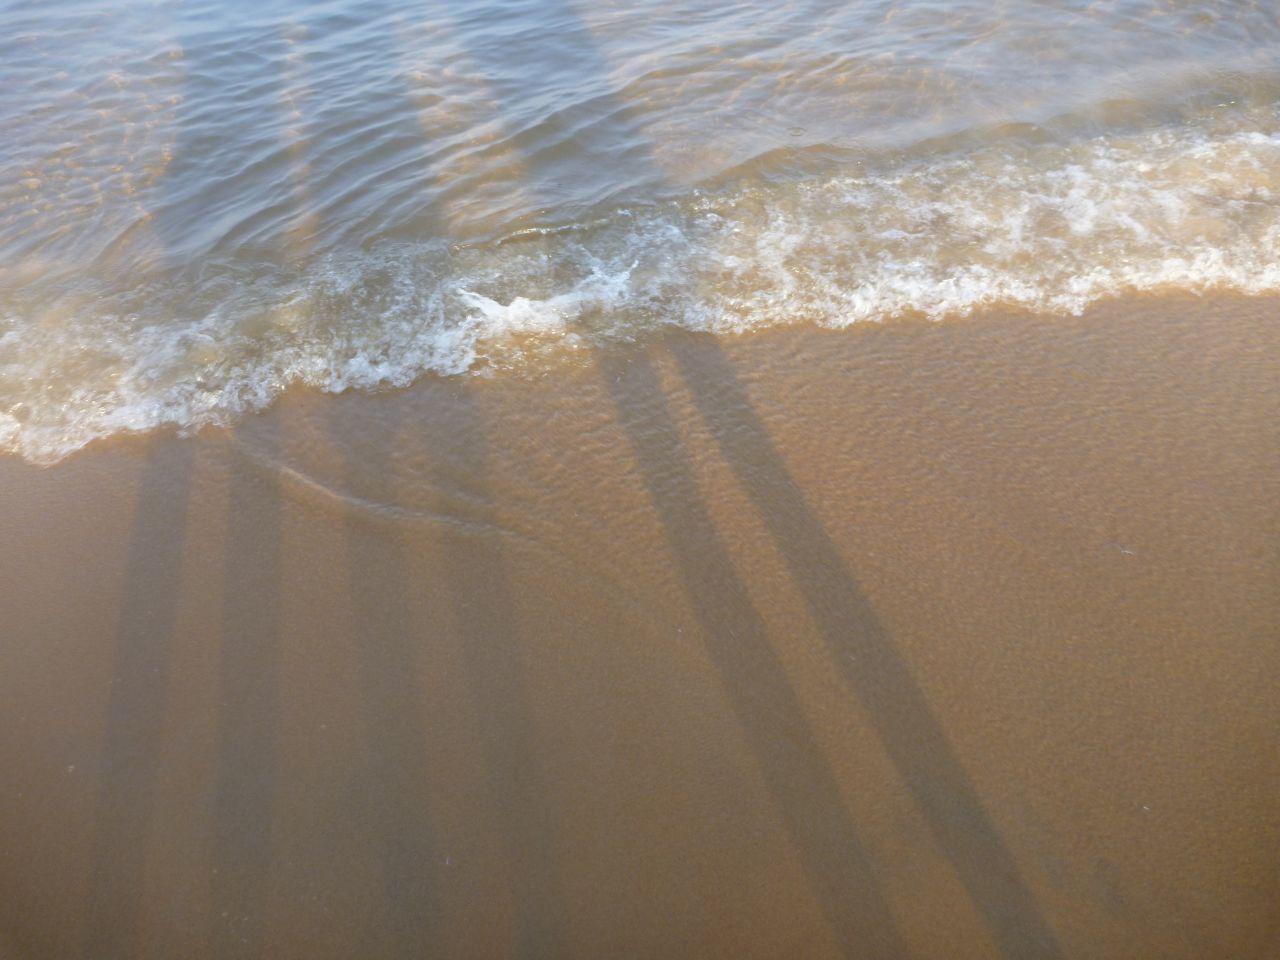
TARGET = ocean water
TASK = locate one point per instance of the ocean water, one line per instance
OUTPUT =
(203, 204)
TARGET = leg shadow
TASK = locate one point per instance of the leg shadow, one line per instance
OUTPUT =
(249, 681)
(392, 787)
(797, 774)
(489, 633)
(136, 710)
(873, 668)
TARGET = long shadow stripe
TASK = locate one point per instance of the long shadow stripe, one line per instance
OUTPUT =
(249, 681)
(392, 787)
(872, 667)
(390, 790)
(136, 709)
(489, 631)
(799, 778)
(796, 772)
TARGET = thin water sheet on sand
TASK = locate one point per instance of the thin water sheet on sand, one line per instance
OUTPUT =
(931, 640)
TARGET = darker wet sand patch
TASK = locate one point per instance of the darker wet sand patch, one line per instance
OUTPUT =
(933, 640)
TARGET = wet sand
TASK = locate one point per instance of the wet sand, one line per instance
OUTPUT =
(919, 640)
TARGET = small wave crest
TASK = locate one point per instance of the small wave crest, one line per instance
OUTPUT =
(1046, 226)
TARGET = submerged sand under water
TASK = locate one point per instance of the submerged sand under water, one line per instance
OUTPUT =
(929, 640)
(207, 205)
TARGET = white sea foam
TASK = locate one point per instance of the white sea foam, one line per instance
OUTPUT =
(1046, 226)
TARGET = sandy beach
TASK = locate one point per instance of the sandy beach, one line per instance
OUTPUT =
(917, 640)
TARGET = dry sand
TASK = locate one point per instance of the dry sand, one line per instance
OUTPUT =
(923, 640)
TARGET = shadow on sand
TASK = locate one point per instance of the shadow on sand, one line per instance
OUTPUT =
(136, 711)
(797, 773)
(493, 651)
(873, 669)
(248, 698)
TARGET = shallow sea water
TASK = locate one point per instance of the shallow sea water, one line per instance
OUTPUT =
(204, 204)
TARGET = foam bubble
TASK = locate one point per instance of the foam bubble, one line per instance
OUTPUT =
(1048, 226)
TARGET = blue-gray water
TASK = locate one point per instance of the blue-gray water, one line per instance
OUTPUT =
(203, 204)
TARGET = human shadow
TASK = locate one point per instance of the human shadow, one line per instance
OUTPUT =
(799, 777)
(248, 696)
(388, 800)
(396, 780)
(137, 707)
(386, 804)
(246, 760)
(390, 789)
(872, 667)
(800, 780)
(490, 635)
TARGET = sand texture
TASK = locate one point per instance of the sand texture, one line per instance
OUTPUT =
(950, 640)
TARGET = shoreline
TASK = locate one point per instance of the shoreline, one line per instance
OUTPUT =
(925, 639)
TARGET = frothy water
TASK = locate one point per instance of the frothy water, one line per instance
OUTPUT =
(203, 206)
